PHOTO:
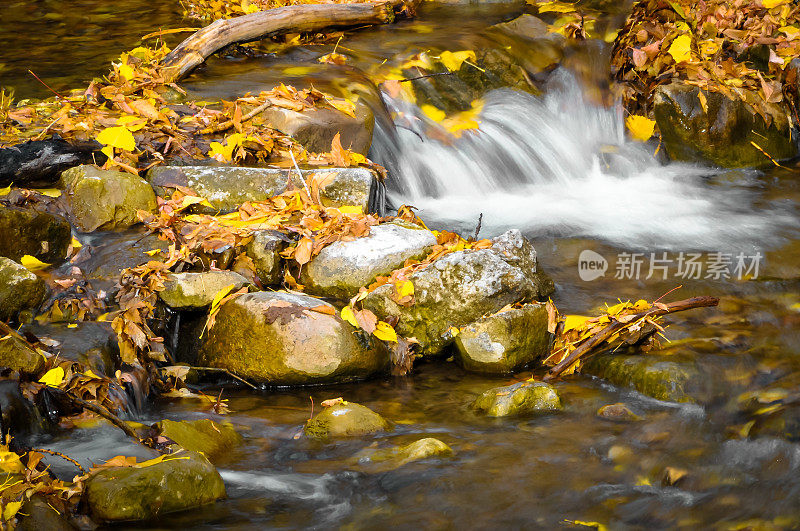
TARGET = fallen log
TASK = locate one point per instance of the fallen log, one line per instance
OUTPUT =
(263, 24)
(600, 337)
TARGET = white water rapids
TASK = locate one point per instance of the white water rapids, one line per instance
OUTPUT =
(558, 165)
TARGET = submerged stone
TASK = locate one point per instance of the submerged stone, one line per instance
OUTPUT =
(19, 289)
(181, 481)
(618, 412)
(518, 399)
(342, 267)
(105, 199)
(345, 419)
(212, 439)
(391, 458)
(197, 290)
(651, 375)
(228, 187)
(724, 133)
(278, 338)
(461, 287)
(504, 342)
(39, 234)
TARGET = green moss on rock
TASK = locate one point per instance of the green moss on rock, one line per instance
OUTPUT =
(345, 420)
(518, 399)
(654, 376)
(40, 234)
(211, 438)
(19, 289)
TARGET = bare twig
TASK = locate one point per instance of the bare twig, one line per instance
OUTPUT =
(426, 76)
(230, 123)
(62, 456)
(229, 373)
(100, 410)
(617, 325)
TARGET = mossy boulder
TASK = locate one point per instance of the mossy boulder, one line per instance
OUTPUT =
(461, 287)
(19, 289)
(184, 291)
(506, 341)
(228, 187)
(342, 267)
(345, 419)
(39, 234)
(395, 457)
(16, 354)
(278, 338)
(656, 376)
(723, 132)
(264, 250)
(37, 515)
(518, 399)
(105, 199)
(212, 439)
(183, 481)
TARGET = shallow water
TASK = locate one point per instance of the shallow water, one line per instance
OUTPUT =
(558, 167)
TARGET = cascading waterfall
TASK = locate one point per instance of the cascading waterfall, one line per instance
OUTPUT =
(558, 165)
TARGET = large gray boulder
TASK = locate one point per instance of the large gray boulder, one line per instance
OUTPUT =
(341, 268)
(105, 199)
(19, 289)
(461, 287)
(277, 338)
(723, 134)
(183, 481)
(227, 187)
(506, 341)
(185, 291)
(39, 234)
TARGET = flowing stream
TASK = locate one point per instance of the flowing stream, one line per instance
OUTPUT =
(557, 166)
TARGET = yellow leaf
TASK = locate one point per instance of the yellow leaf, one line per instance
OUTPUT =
(454, 331)
(554, 7)
(404, 288)
(343, 105)
(32, 263)
(350, 209)
(218, 151)
(464, 120)
(6, 190)
(769, 4)
(385, 332)
(157, 460)
(10, 510)
(49, 192)
(75, 243)
(131, 122)
(126, 72)
(10, 463)
(574, 322)
(680, 49)
(437, 115)
(91, 374)
(190, 200)
(709, 47)
(221, 294)
(641, 127)
(53, 377)
(453, 60)
(117, 137)
(596, 525)
(348, 315)
(250, 7)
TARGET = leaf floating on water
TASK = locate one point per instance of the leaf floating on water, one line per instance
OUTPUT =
(435, 114)
(641, 127)
(32, 263)
(453, 60)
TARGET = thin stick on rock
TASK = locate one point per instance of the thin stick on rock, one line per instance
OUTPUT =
(103, 412)
(227, 125)
(62, 456)
(601, 336)
(229, 373)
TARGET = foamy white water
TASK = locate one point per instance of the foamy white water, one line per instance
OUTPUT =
(558, 165)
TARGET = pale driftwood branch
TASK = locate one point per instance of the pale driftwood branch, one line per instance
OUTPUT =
(599, 337)
(290, 19)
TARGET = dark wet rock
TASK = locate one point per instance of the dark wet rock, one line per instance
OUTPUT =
(315, 128)
(212, 439)
(197, 290)
(275, 337)
(656, 376)
(504, 342)
(39, 234)
(518, 399)
(617, 413)
(341, 268)
(20, 416)
(17, 355)
(463, 286)
(92, 344)
(395, 457)
(19, 289)
(723, 135)
(37, 515)
(110, 253)
(176, 484)
(227, 187)
(345, 419)
(105, 199)
(264, 250)
(527, 26)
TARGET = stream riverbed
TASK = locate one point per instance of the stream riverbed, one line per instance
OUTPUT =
(537, 163)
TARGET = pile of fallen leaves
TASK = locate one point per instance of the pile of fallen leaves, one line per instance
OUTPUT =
(211, 10)
(740, 48)
(131, 115)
